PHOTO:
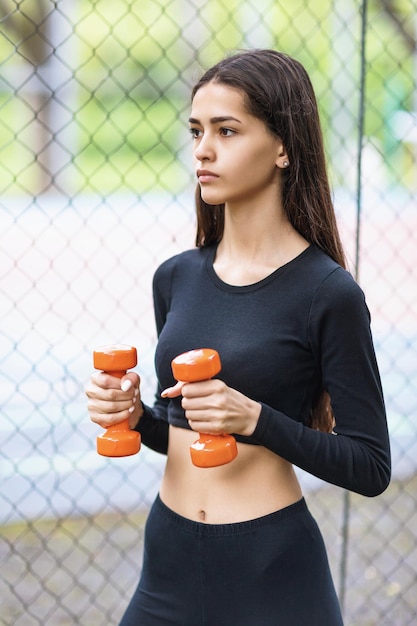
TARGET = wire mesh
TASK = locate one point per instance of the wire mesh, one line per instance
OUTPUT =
(96, 190)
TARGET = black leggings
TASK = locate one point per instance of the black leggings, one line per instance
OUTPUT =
(271, 571)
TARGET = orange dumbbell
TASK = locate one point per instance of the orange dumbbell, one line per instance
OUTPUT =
(194, 366)
(119, 439)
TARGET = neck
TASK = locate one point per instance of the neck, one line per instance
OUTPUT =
(255, 243)
(255, 232)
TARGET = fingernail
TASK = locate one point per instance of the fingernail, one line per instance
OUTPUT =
(126, 385)
(164, 393)
(132, 408)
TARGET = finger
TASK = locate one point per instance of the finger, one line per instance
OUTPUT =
(107, 387)
(109, 419)
(173, 392)
(105, 381)
(100, 406)
(203, 389)
(207, 427)
(131, 380)
(107, 413)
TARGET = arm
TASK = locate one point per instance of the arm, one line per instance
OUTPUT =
(355, 463)
(153, 425)
(357, 456)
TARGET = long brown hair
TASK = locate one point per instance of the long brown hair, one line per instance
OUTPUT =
(278, 91)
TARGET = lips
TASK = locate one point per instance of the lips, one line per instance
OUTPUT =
(205, 176)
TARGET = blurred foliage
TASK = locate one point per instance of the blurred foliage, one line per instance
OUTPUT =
(132, 63)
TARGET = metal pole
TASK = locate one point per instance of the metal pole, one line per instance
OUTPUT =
(361, 129)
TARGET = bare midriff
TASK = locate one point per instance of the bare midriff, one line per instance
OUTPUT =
(256, 483)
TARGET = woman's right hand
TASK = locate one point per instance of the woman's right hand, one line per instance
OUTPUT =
(112, 400)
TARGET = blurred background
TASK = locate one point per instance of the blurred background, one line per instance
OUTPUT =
(96, 189)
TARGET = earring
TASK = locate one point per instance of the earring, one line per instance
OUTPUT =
(285, 164)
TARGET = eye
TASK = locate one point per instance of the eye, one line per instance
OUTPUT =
(227, 132)
(195, 133)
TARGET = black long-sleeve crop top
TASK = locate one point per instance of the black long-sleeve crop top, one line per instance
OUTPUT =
(303, 328)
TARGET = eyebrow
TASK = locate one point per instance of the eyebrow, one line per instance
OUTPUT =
(216, 120)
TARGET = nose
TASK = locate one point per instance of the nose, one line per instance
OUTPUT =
(204, 149)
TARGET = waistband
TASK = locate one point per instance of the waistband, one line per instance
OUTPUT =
(201, 528)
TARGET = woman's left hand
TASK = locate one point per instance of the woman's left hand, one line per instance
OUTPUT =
(212, 407)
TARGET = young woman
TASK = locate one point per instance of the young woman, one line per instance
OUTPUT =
(266, 286)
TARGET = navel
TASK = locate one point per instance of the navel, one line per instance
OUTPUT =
(202, 515)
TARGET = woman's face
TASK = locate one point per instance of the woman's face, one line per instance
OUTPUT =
(236, 156)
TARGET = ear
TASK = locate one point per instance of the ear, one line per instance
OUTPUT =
(282, 161)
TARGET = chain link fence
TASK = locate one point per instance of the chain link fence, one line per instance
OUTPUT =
(96, 189)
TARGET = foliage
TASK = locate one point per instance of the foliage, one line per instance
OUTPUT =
(133, 62)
